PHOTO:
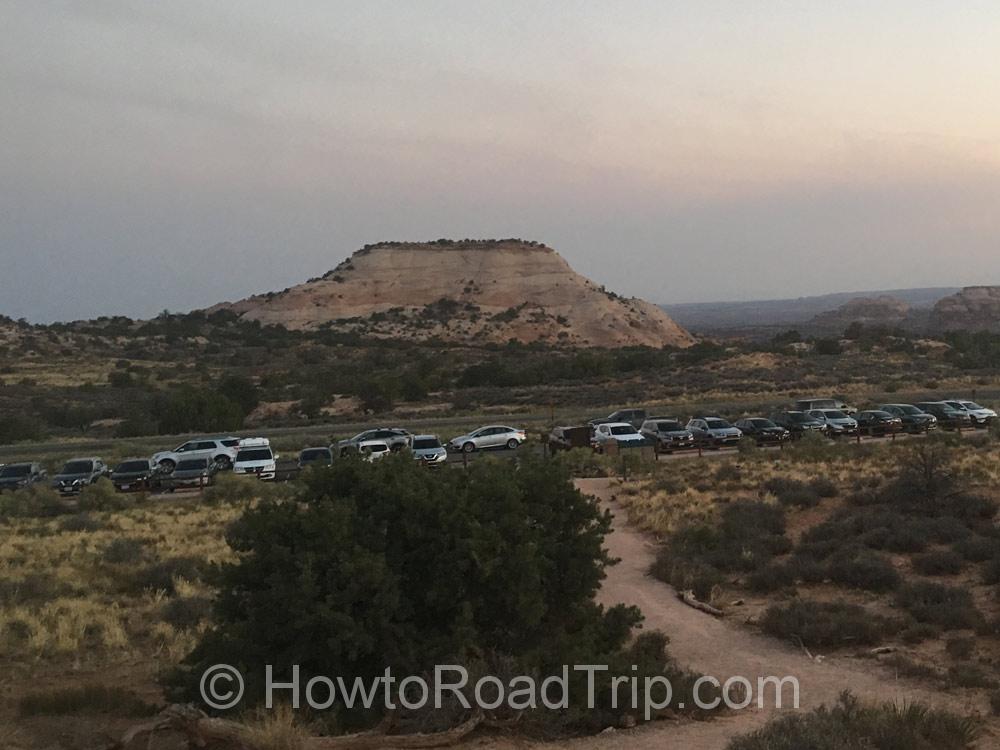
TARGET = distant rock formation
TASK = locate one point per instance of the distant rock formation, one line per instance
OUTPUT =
(884, 310)
(975, 308)
(468, 291)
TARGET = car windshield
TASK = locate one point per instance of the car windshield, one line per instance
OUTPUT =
(669, 427)
(971, 405)
(834, 414)
(623, 430)
(127, 467)
(799, 417)
(426, 444)
(313, 454)
(880, 414)
(16, 470)
(78, 467)
(762, 423)
(192, 464)
(254, 454)
(717, 424)
(907, 409)
(377, 448)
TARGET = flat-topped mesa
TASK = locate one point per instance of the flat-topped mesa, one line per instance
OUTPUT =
(975, 308)
(465, 291)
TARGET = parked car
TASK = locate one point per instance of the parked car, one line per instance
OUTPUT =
(134, 474)
(315, 457)
(798, 422)
(395, 437)
(914, 420)
(667, 434)
(18, 476)
(762, 431)
(256, 458)
(811, 404)
(567, 438)
(713, 432)
(837, 423)
(622, 434)
(77, 473)
(374, 450)
(192, 472)
(947, 416)
(220, 451)
(878, 422)
(428, 450)
(980, 416)
(634, 417)
(491, 436)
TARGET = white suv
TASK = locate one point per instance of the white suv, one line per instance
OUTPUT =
(221, 451)
(255, 457)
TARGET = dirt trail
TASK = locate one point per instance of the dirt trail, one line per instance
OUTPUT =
(722, 649)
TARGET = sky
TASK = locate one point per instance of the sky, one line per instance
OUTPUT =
(169, 155)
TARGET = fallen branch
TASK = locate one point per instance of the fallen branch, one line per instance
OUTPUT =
(691, 600)
(202, 731)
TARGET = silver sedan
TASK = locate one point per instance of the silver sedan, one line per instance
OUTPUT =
(491, 436)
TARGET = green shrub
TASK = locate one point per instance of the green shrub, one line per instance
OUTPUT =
(88, 699)
(160, 576)
(862, 569)
(32, 589)
(960, 649)
(991, 571)
(920, 632)
(35, 501)
(392, 566)
(970, 676)
(81, 522)
(102, 496)
(829, 624)
(228, 488)
(942, 563)
(771, 577)
(850, 725)
(186, 613)
(124, 551)
(977, 549)
(948, 607)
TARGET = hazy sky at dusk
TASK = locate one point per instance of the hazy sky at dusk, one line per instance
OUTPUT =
(172, 154)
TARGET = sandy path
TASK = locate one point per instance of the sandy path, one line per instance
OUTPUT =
(722, 649)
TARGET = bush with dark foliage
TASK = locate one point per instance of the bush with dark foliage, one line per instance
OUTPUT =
(851, 725)
(391, 566)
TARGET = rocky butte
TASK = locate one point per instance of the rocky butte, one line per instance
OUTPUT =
(975, 308)
(467, 291)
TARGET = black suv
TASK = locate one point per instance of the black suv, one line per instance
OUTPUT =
(135, 474)
(914, 420)
(667, 434)
(798, 422)
(878, 422)
(16, 476)
(762, 430)
(948, 416)
(78, 473)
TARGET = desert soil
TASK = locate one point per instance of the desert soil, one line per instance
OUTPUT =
(723, 648)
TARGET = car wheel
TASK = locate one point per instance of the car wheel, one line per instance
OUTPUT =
(512, 444)
(167, 466)
(223, 463)
(468, 447)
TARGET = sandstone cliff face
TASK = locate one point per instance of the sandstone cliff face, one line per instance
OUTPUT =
(975, 308)
(466, 292)
(884, 310)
